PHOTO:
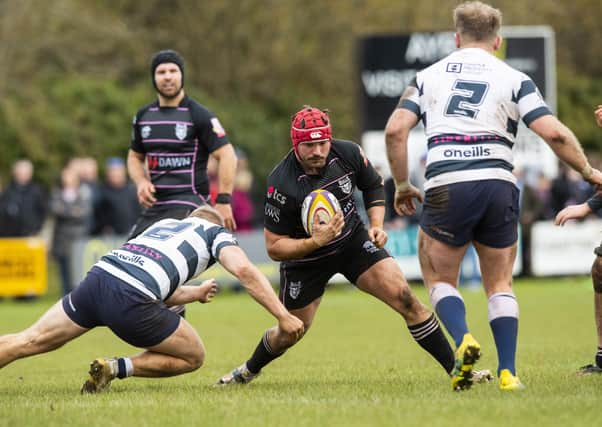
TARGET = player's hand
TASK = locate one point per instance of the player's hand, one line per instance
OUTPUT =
(146, 193)
(598, 113)
(225, 211)
(378, 236)
(292, 325)
(207, 290)
(572, 212)
(404, 200)
(324, 233)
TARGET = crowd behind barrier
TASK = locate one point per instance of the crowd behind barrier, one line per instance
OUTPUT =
(85, 216)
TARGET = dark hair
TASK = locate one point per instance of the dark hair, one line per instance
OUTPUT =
(164, 56)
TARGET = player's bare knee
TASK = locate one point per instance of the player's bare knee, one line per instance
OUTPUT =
(407, 300)
(597, 275)
(196, 360)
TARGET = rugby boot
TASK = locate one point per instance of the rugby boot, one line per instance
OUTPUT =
(481, 377)
(509, 382)
(467, 354)
(589, 370)
(240, 375)
(102, 372)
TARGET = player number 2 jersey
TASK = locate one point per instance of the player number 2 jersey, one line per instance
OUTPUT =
(470, 104)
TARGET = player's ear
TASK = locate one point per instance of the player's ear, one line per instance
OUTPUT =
(457, 40)
(497, 42)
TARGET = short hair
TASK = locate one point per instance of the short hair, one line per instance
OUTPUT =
(206, 212)
(477, 21)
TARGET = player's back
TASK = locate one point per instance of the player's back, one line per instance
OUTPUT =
(470, 103)
(166, 255)
(471, 92)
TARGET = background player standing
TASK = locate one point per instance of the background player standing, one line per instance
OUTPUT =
(470, 103)
(343, 245)
(173, 136)
(171, 141)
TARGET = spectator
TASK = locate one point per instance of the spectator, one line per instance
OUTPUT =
(242, 205)
(87, 170)
(22, 204)
(118, 208)
(71, 210)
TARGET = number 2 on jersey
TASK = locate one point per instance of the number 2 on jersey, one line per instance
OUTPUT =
(466, 96)
(167, 230)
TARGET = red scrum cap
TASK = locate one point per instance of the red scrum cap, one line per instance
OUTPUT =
(310, 124)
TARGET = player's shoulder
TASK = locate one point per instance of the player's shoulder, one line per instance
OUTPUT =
(196, 107)
(345, 148)
(144, 109)
(285, 174)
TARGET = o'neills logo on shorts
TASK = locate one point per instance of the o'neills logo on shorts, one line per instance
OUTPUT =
(169, 162)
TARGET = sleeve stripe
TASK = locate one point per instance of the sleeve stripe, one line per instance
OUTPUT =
(526, 88)
(536, 114)
(410, 105)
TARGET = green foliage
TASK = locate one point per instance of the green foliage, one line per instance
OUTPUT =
(357, 366)
(72, 85)
(65, 116)
(578, 96)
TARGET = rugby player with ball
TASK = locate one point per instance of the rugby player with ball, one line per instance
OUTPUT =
(316, 234)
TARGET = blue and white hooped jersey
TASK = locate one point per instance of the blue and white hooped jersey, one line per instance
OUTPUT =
(168, 254)
(470, 104)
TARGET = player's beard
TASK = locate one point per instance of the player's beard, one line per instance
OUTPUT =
(168, 96)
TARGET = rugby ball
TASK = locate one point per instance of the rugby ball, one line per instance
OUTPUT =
(317, 208)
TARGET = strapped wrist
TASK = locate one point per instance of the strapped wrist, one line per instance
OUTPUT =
(402, 185)
(223, 198)
(587, 171)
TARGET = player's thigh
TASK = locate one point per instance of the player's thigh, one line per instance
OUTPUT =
(385, 281)
(439, 261)
(53, 329)
(496, 267)
(184, 343)
(498, 226)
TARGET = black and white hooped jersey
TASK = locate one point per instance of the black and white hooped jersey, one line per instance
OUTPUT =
(176, 142)
(168, 254)
(470, 104)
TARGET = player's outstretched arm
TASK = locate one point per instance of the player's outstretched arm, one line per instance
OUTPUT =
(572, 212)
(566, 146)
(233, 259)
(190, 293)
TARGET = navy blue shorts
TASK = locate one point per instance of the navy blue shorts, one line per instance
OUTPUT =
(104, 300)
(484, 211)
(301, 283)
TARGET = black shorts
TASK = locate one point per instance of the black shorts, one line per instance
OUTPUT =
(303, 282)
(155, 213)
(104, 300)
(484, 211)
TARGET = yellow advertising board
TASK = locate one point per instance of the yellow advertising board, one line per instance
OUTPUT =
(23, 267)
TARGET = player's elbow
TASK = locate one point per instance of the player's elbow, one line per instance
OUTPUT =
(273, 252)
(395, 131)
(274, 255)
(245, 273)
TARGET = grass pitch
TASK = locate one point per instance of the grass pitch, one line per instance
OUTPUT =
(358, 366)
